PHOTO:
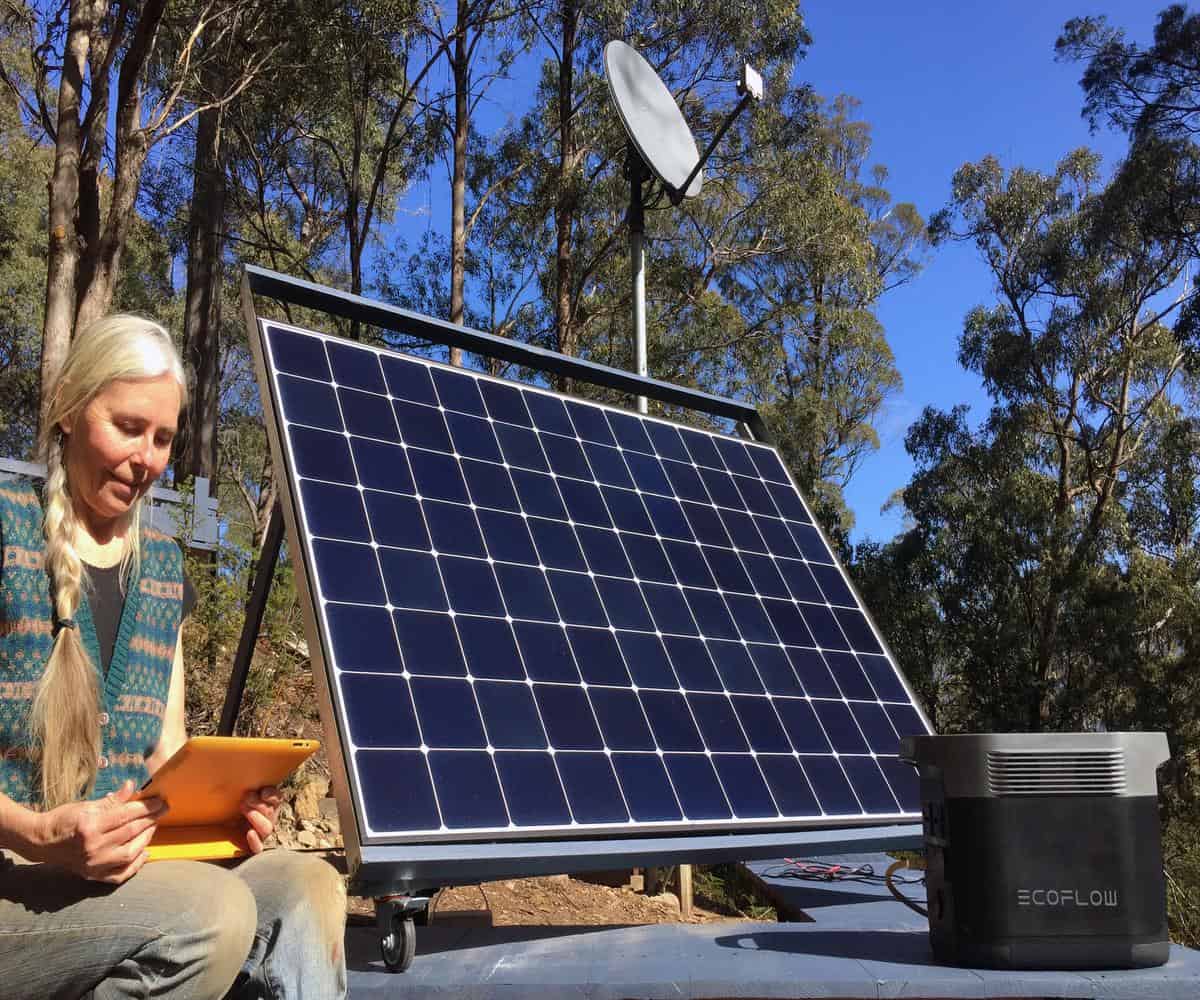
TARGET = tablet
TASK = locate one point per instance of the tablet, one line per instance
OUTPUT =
(203, 784)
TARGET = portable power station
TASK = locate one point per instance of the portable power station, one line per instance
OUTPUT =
(1043, 850)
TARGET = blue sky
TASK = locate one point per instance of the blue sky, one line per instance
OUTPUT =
(942, 84)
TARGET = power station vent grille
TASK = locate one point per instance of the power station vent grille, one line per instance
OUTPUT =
(1056, 772)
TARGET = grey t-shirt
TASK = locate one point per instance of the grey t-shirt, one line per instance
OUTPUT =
(107, 601)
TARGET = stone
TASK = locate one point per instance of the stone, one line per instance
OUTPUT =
(307, 801)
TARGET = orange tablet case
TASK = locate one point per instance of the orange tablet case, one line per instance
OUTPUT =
(203, 784)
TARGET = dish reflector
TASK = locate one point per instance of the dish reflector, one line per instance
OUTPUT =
(651, 118)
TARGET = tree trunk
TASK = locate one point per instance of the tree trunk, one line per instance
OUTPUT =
(564, 213)
(202, 309)
(131, 145)
(458, 187)
(63, 250)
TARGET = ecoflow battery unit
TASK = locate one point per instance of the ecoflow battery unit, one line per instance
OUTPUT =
(1043, 850)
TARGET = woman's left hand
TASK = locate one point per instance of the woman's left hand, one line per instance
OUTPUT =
(259, 809)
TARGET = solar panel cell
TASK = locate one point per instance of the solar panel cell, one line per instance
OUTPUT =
(532, 789)
(646, 787)
(507, 537)
(348, 572)
(299, 354)
(477, 802)
(410, 382)
(416, 809)
(490, 648)
(381, 466)
(546, 653)
(667, 442)
(566, 457)
(437, 476)
(697, 786)
(453, 529)
(597, 656)
(430, 643)
(549, 414)
(458, 392)
(380, 711)
(312, 403)
(592, 789)
(473, 437)
(692, 664)
(506, 403)
(363, 638)
(321, 455)
(510, 715)
(396, 520)
(743, 783)
(412, 580)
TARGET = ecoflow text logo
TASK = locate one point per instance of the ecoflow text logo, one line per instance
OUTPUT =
(1082, 898)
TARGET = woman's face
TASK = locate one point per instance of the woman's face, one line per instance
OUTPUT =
(119, 444)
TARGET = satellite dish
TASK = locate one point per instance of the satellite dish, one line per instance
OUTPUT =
(652, 119)
(660, 143)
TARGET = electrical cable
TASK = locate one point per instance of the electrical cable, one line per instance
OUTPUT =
(804, 870)
(888, 880)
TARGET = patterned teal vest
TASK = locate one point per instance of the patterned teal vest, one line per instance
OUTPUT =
(133, 695)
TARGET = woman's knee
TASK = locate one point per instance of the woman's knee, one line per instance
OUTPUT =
(292, 885)
(208, 926)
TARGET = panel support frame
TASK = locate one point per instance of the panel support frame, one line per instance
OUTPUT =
(380, 869)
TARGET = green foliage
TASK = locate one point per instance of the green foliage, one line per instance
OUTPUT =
(23, 168)
(730, 889)
(1146, 91)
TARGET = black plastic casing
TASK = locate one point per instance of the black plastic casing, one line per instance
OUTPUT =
(1039, 882)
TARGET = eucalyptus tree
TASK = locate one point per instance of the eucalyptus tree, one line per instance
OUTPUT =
(72, 54)
(814, 242)
(1021, 521)
(471, 71)
(571, 149)
(23, 168)
(1146, 91)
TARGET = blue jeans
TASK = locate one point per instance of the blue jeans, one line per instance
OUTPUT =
(271, 927)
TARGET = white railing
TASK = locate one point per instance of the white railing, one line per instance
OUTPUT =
(166, 510)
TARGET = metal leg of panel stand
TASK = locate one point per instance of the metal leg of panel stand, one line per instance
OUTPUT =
(396, 918)
(256, 607)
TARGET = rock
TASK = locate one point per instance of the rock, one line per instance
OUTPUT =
(307, 802)
(306, 838)
(284, 816)
(328, 807)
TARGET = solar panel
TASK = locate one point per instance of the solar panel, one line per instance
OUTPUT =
(545, 617)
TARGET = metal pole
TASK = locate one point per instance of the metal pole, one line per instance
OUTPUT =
(255, 609)
(637, 260)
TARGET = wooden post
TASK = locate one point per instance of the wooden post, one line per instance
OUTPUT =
(685, 891)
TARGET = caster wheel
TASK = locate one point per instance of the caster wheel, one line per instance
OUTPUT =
(399, 946)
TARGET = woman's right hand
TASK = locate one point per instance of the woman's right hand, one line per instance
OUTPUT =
(103, 839)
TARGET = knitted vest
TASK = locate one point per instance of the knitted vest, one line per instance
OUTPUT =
(133, 697)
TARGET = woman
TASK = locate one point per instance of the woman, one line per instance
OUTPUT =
(92, 703)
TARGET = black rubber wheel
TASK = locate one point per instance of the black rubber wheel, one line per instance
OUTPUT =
(399, 946)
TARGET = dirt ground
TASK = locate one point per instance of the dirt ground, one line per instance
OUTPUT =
(554, 900)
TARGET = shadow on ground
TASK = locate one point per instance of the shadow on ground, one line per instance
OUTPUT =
(362, 943)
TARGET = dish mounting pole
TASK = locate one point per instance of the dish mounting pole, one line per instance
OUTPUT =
(638, 173)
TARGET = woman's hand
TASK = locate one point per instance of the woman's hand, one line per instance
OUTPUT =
(104, 839)
(259, 809)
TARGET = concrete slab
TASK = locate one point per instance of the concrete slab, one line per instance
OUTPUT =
(858, 944)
